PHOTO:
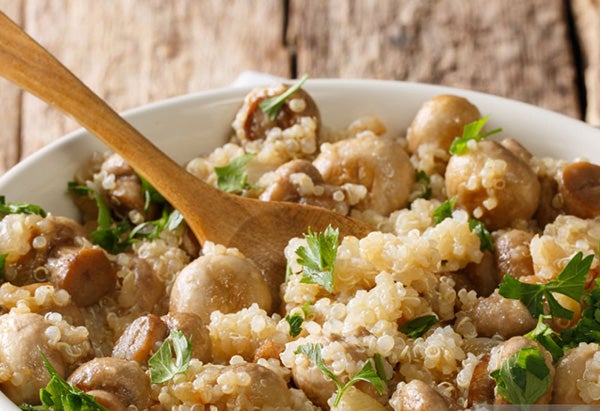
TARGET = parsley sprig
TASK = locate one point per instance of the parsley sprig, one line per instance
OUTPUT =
(172, 358)
(471, 131)
(547, 337)
(587, 328)
(20, 208)
(419, 326)
(318, 257)
(272, 106)
(374, 375)
(233, 178)
(523, 378)
(59, 395)
(570, 282)
(295, 320)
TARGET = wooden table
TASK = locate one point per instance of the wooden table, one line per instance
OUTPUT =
(545, 52)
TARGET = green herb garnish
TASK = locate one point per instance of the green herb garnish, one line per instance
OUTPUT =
(587, 328)
(232, 178)
(485, 238)
(368, 373)
(173, 357)
(272, 106)
(424, 183)
(20, 208)
(569, 282)
(295, 321)
(523, 378)
(318, 257)
(2, 265)
(547, 337)
(151, 195)
(418, 326)
(444, 210)
(152, 229)
(59, 395)
(471, 131)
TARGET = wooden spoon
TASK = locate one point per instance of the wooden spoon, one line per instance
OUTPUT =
(259, 229)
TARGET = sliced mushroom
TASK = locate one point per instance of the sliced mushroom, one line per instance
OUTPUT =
(22, 340)
(140, 339)
(86, 273)
(108, 400)
(219, 282)
(252, 123)
(493, 185)
(126, 193)
(579, 186)
(439, 121)
(549, 208)
(481, 387)
(503, 316)
(419, 396)
(318, 194)
(482, 277)
(126, 380)
(192, 326)
(380, 164)
(512, 254)
(142, 290)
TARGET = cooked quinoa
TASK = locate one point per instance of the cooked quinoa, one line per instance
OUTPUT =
(246, 353)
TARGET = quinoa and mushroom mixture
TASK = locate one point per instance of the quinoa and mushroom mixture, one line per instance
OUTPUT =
(476, 285)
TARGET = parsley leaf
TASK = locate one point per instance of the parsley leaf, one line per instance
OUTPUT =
(151, 195)
(545, 335)
(272, 106)
(368, 373)
(318, 257)
(152, 229)
(2, 265)
(295, 321)
(485, 238)
(59, 395)
(418, 326)
(232, 178)
(20, 208)
(162, 365)
(523, 378)
(569, 282)
(471, 131)
(423, 186)
(444, 211)
(587, 328)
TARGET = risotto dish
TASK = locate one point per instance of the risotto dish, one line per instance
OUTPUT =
(477, 285)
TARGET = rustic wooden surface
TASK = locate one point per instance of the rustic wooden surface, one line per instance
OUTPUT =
(545, 52)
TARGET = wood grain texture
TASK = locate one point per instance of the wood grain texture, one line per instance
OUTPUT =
(513, 48)
(136, 51)
(10, 107)
(587, 21)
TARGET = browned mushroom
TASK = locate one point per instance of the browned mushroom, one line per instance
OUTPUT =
(579, 186)
(419, 396)
(380, 164)
(512, 254)
(126, 380)
(252, 123)
(503, 316)
(266, 390)
(192, 326)
(142, 290)
(549, 208)
(481, 387)
(572, 368)
(439, 121)
(108, 400)
(126, 194)
(140, 338)
(86, 273)
(481, 277)
(221, 282)
(22, 338)
(493, 185)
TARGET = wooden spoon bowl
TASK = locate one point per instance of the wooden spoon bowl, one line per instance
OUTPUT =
(258, 229)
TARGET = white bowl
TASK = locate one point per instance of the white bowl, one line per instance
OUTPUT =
(187, 126)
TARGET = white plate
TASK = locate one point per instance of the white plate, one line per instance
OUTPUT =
(187, 126)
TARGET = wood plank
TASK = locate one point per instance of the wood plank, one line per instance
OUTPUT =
(137, 51)
(513, 48)
(586, 14)
(10, 110)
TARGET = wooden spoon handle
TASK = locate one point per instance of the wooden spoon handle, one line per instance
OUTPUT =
(28, 64)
